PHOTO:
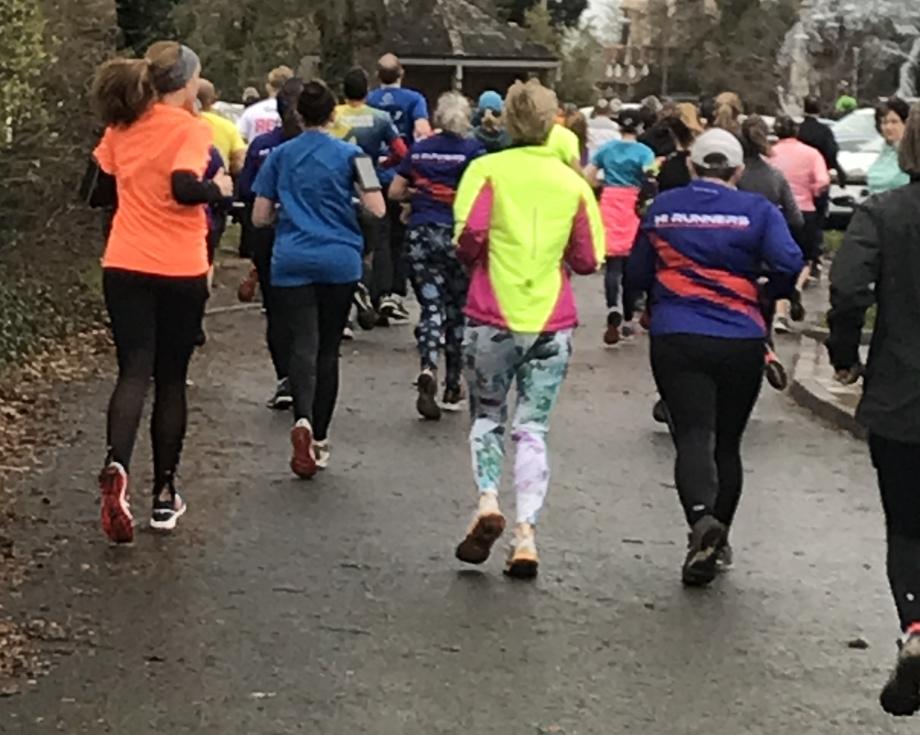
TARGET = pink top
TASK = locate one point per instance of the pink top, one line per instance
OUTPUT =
(804, 169)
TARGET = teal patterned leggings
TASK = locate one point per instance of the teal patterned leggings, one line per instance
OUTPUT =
(537, 364)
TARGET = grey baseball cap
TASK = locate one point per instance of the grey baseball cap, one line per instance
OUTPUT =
(717, 148)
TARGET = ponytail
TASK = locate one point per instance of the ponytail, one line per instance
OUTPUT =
(123, 90)
(728, 109)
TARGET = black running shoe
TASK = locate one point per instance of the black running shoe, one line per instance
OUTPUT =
(427, 403)
(283, 399)
(612, 334)
(776, 374)
(367, 316)
(901, 695)
(453, 399)
(166, 513)
(707, 536)
(725, 559)
(797, 308)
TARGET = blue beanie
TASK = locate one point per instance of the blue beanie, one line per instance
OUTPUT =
(491, 101)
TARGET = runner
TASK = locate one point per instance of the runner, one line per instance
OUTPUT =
(263, 238)
(432, 173)
(625, 164)
(155, 264)
(227, 138)
(523, 222)
(761, 178)
(846, 102)
(886, 173)
(728, 111)
(490, 130)
(601, 127)
(699, 250)
(373, 131)
(878, 264)
(578, 124)
(408, 110)
(316, 263)
(807, 174)
(675, 171)
(262, 117)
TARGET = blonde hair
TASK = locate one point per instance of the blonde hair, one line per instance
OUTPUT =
(124, 88)
(453, 113)
(277, 78)
(728, 109)
(530, 112)
(909, 149)
(690, 117)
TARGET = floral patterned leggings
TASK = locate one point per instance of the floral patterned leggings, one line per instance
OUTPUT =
(440, 286)
(537, 364)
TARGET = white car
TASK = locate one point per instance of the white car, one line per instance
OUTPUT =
(860, 146)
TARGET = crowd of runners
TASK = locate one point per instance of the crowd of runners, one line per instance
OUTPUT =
(707, 222)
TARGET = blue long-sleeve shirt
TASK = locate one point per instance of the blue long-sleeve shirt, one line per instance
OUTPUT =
(700, 251)
(256, 155)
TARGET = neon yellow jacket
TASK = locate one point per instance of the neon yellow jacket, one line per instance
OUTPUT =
(524, 219)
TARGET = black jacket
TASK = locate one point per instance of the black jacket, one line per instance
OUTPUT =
(815, 133)
(882, 249)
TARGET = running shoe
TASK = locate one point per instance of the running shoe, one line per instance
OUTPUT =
(427, 402)
(725, 559)
(303, 460)
(776, 373)
(628, 332)
(660, 412)
(322, 453)
(781, 325)
(166, 513)
(246, 292)
(117, 521)
(523, 561)
(901, 695)
(487, 527)
(612, 335)
(796, 308)
(283, 399)
(367, 316)
(393, 310)
(453, 400)
(348, 334)
(707, 536)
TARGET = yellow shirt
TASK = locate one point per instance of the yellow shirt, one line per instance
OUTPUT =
(227, 138)
(564, 143)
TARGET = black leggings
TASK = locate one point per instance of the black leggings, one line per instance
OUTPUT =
(261, 243)
(898, 467)
(710, 386)
(313, 318)
(155, 322)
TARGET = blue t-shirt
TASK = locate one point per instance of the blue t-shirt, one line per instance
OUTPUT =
(434, 167)
(624, 162)
(317, 237)
(256, 155)
(404, 106)
(701, 249)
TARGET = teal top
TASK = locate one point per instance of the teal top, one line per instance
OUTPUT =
(886, 174)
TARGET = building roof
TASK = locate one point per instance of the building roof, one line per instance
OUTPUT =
(456, 29)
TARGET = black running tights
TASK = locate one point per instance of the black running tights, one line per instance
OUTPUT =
(898, 467)
(313, 318)
(261, 242)
(155, 322)
(710, 386)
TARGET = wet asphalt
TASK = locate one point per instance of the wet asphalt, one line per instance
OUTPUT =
(336, 606)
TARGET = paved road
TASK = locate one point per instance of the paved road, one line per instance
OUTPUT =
(336, 606)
